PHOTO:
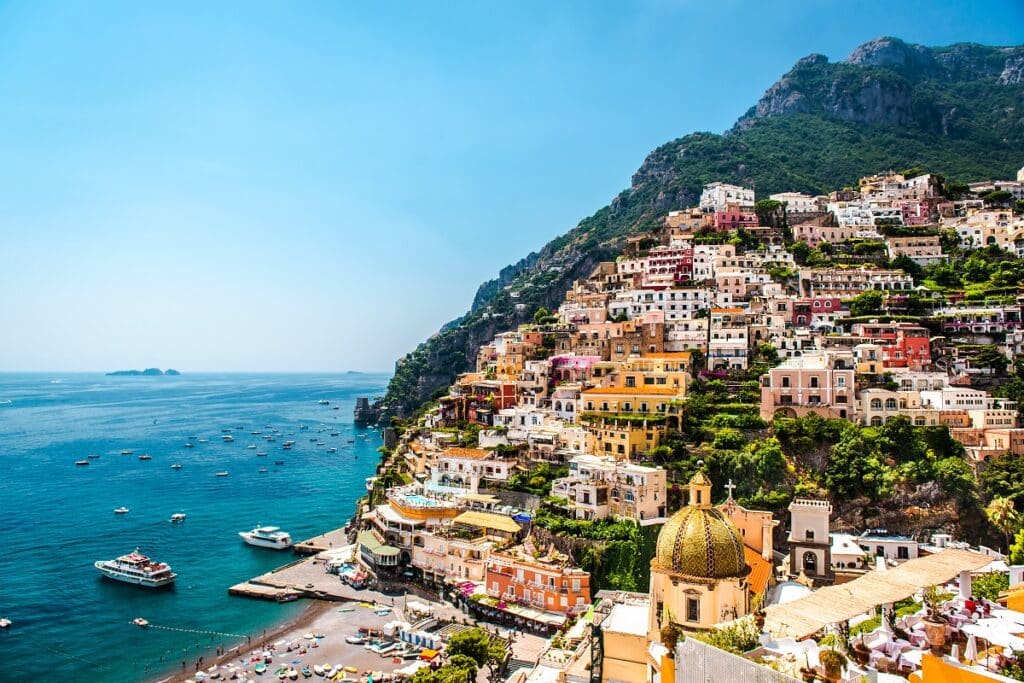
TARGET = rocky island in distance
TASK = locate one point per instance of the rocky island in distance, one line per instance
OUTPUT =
(148, 372)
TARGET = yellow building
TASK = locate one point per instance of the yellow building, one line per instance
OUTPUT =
(699, 572)
(625, 437)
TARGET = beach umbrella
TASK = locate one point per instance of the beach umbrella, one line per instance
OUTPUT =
(971, 651)
(200, 676)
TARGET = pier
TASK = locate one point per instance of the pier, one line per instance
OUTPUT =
(325, 541)
(262, 592)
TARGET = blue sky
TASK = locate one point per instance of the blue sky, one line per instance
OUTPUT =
(318, 186)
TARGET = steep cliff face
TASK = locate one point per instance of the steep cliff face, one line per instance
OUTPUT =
(888, 82)
(956, 110)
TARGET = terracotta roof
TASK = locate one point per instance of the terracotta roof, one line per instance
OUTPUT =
(652, 391)
(475, 453)
(760, 571)
(726, 310)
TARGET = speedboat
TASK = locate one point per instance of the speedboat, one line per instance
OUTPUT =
(144, 456)
(175, 466)
(189, 444)
(135, 568)
(332, 450)
(227, 438)
(177, 517)
(267, 537)
(140, 622)
(323, 402)
(127, 452)
(261, 455)
(251, 446)
(121, 510)
(81, 462)
(5, 623)
(262, 470)
(220, 474)
(204, 441)
(93, 456)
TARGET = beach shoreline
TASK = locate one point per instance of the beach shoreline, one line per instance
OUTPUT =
(309, 614)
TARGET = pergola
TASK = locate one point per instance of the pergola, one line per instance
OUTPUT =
(837, 604)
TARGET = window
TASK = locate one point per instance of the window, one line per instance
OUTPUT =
(810, 563)
(785, 382)
(809, 534)
(814, 382)
(902, 553)
(693, 609)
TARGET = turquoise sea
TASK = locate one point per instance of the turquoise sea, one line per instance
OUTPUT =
(57, 518)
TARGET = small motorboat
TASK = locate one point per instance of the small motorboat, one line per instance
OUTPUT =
(255, 433)
(204, 441)
(140, 622)
(145, 456)
(318, 670)
(177, 517)
(293, 675)
(227, 438)
(175, 466)
(261, 455)
(306, 673)
(121, 510)
(355, 640)
(260, 668)
(262, 470)
(332, 450)
(251, 447)
(221, 474)
(127, 452)
(80, 463)
(189, 444)
(323, 402)
(93, 456)
(5, 623)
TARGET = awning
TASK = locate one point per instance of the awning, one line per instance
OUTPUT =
(370, 542)
(488, 520)
(835, 604)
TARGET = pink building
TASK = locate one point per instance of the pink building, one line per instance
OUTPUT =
(815, 311)
(731, 220)
(817, 382)
(572, 368)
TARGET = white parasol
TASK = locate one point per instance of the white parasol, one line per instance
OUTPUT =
(971, 651)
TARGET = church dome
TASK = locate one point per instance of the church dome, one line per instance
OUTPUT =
(699, 540)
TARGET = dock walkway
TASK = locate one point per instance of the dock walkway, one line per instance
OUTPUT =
(326, 541)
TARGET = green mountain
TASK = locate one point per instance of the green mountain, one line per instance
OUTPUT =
(956, 110)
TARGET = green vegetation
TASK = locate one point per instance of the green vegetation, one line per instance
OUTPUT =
(619, 557)
(538, 480)
(737, 637)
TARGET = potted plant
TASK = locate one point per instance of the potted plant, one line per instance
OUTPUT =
(833, 662)
(934, 623)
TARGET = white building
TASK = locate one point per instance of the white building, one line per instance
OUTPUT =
(599, 487)
(797, 202)
(717, 196)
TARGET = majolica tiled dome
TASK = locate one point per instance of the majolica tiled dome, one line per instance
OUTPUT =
(699, 541)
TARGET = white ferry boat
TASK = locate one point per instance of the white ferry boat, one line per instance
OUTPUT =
(267, 537)
(137, 569)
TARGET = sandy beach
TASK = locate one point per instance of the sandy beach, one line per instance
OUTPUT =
(333, 620)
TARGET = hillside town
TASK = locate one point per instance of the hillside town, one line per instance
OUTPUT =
(775, 439)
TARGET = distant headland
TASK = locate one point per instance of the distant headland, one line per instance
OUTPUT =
(148, 372)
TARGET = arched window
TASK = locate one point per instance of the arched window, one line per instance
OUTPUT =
(810, 562)
(876, 421)
(890, 404)
(876, 404)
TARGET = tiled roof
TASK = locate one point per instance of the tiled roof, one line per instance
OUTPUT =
(475, 453)
(760, 571)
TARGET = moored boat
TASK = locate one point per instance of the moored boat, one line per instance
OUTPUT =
(81, 462)
(177, 517)
(93, 456)
(137, 569)
(127, 452)
(144, 456)
(175, 466)
(121, 510)
(227, 438)
(267, 537)
(220, 474)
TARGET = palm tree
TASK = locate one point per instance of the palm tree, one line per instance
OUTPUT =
(1003, 517)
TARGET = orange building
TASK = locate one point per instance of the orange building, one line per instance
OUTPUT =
(551, 586)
